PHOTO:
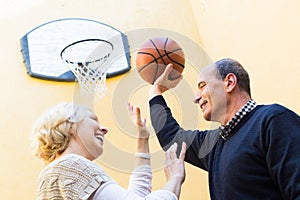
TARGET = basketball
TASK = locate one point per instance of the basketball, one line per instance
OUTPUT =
(155, 54)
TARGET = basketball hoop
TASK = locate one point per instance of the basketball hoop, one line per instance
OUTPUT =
(87, 59)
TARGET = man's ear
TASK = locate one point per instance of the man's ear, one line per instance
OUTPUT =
(230, 82)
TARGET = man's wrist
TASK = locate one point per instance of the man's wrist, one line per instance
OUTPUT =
(154, 91)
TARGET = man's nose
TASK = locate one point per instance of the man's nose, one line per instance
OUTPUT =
(197, 98)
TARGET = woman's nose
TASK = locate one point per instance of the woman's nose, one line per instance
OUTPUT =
(103, 130)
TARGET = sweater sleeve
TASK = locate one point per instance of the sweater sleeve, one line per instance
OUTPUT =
(140, 186)
(283, 153)
(112, 191)
(140, 181)
(199, 143)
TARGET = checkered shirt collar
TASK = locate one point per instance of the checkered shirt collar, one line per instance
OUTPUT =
(225, 131)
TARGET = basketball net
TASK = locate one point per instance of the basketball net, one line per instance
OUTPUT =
(88, 60)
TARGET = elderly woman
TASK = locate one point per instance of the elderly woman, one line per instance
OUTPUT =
(69, 137)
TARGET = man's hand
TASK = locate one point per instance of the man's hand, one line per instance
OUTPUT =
(163, 83)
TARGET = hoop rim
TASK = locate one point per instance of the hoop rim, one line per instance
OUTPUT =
(85, 40)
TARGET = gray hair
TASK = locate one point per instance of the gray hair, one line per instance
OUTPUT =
(227, 65)
(51, 131)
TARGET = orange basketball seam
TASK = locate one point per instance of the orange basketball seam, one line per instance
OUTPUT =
(161, 53)
(157, 50)
(143, 67)
(155, 59)
(174, 60)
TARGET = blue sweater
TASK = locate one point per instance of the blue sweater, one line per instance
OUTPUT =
(261, 160)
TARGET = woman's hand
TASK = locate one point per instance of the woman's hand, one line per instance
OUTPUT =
(142, 155)
(175, 168)
(135, 115)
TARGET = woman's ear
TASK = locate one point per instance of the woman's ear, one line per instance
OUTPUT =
(72, 129)
(230, 82)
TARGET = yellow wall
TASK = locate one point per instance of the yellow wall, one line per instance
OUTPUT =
(262, 35)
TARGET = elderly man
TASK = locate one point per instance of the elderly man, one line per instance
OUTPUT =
(254, 154)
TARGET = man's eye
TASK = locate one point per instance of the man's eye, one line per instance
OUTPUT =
(201, 86)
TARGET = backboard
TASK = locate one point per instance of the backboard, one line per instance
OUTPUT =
(41, 47)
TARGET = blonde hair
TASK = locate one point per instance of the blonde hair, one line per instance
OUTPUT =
(52, 130)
